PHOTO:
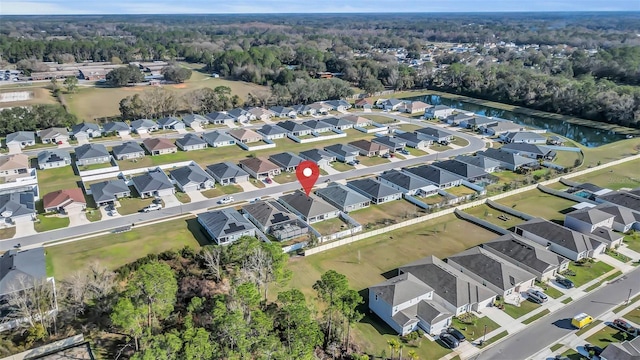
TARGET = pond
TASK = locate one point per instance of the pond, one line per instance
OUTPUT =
(585, 135)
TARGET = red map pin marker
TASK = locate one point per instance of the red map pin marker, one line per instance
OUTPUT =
(307, 173)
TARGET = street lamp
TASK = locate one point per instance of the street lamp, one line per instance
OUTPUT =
(485, 333)
(629, 296)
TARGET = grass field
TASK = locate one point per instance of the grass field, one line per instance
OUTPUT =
(132, 205)
(439, 147)
(609, 152)
(553, 292)
(7, 233)
(475, 331)
(340, 166)
(380, 119)
(330, 226)
(567, 159)
(385, 214)
(415, 152)
(460, 191)
(487, 213)
(373, 160)
(460, 141)
(525, 307)
(409, 127)
(537, 316)
(46, 223)
(625, 175)
(633, 315)
(530, 202)
(433, 199)
(40, 96)
(222, 190)
(115, 250)
(285, 177)
(57, 179)
(182, 197)
(605, 336)
(585, 274)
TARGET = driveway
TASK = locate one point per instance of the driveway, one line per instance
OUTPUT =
(77, 217)
(182, 131)
(14, 149)
(126, 137)
(24, 228)
(248, 186)
(628, 252)
(109, 214)
(144, 135)
(196, 196)
(65, 144)
(196, 127)
(171, 201)
(330, 170)
(614, 262)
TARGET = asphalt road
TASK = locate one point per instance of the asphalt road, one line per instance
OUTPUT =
(552, 328)
(475, 144)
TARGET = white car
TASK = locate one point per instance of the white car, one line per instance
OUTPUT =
(226, 200)
(153, 206)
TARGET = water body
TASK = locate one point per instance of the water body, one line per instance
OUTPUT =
(585, 135)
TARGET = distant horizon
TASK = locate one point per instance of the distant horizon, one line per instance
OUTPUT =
(260, 7)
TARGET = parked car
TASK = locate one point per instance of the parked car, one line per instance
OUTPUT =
(226, 200)
(268, 180)
(624, 326)
(151, 207)
(352, 163)
(537, 296)
(386, 156)
(565, 282)
(449, 341)
(597, 350)
(255, 200)
(404, 152)
(456, 334)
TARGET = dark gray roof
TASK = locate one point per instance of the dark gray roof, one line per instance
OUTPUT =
(336, 103)
(530, 148)
(218, 116)
(271, 130)
(226, 170)
(84, 127)
(393, 101)
(590, 215)
(106, 190)
(280, 109)
(308, 206)
(462, 169)
(404, 180)
(191, 118)
(190, 174)
(391, 142)
(459, 117)
(491, 268)
(217, 136)
(341, 196)
(480, 120)
(372, 188)
(53, 155)
(342, 149)
(400, 289)
(479, 161)
(19, 269)
(626, 350)
(169, 121)
(316, 155)
(316, 124)
(152, 181)
(224, 222)
(527, 252)
(333, 121)
(523, 135)
(20, 136)
(237, 112)
(558, 234)
(589, 187)
(292, 126)
(622, 214)
(89, 151)
(143, 124)
(453, 286)
(301, 108)
(286, 159)
(22, 203)
(52, 132)
(432, 312)
(506, 157)
(127, 147)
(433, 174)
(622, 198)
(190, 140)
(434, 132)
(411, 137)
(269, 213)
(115, 126)
(441, 107)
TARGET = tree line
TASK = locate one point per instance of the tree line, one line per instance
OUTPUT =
(187, 305)
(34, 117)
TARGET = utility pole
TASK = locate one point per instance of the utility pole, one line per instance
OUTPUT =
(629, 296)
(485, 334)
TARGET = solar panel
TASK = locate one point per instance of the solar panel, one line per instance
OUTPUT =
(233, 228)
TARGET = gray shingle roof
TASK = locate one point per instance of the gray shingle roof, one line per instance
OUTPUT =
(190, 174)
(343, 149)
(479, 161)
(316, 155)
(590, 215)
(526, 252)
(623, 198)
(271, 130)
(410, 137)
(286, 159)
(269, 213)
(292, 126)
(21, 268)
(506, 157)
(281, 109)
(115, 126)
(225, 170)
(90, 151)
(341, 196)
(143, 124)
(17, 204)
(558, 234)
(372, 188)
(434, 132)
(152, 181)
(308, 206)
(106, 190)
(191, 118)
(391, 142)
(524, 135)
(218, 116)
(530, 148)
(433, 174)
(224, 222)
(127, 147)
(217, 136)
(20, 136)
(169, 121)
(190, 140)
(84, 127)
(462, 169)
(316, 124)
(237, 112)
(53, 155)
(404, 180)
(336, 122)
(52, 132)
(400, 289)
(622, 214)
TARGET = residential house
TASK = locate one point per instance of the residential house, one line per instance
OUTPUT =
(343, 152)
(53, 135)
(283, 112)
(191, 142)
(477, 122)
(414, 140)
(343, 197)
(287, 161)
(438, 112)
(378, 192)
(119, 128)
(406, 304)
(218, 138)
(338, 105)
(21, 269)
(593, 221)
(310, 208)
(226, 173)
(153, 183)
(458, 292)
(624, 219)
(508, 160)
(219, 118)
(358, 120)
(363, 104)
(559, 239)
(170, 123)
(437, 176)
(128, 150)
(88, 154)
(259, 168)
(21, 139)
(54, 158)
(245, 135)
(625, 350)
(414, 107)
(240, 115)
(492, 271)
(625, 199)
(523, 137)
(304, 110)
(261, 113)
(320, 108)
(319, 156)
(555, 140)
(457, 119)
(466, 171)
(339, 123)
(407, 183)
(272, 132)
(17, 207)
(368, 148)
(86, 131)
(274, 219)
(436, 134)
(159, 146)
(528, 255)
(191, 178)
(391, 104)
(531, 151)
(63, 201)
(318, 126)
(392, 143)
(107, 192)
(487, 164)
(144, 126)
(500, 127)
(226, 225)
(295, 128)
(13, 167)
(194, 119)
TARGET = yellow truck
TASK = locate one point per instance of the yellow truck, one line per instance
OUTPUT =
(581, 320)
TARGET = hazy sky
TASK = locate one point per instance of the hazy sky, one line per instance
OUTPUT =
(27, 7)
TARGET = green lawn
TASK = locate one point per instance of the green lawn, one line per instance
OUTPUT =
(330, 226)
(553, 292)
(182, 197)
(409, 127)
(525, 307)
(222, 190)
(57, 179)
(285, 177)
(588, 327)
(605, 336)
(342, 167)
(584, 274)
(132, 205)
(609, 152)
(94, 166)
(433, 199)
(555, 347)
(380, 119)
(633, 315)
(475, 331)
(487, 213)
(537, 203)
(372, 161)
(392, 212)
(114, 250)
(415, 152)
(567, 300)
(460, 191)
(93, 215)
(439, 147)
(495, 338)
(46, 223)
(567, 159)
(257, 183)
(633, 241)
(459, 141)
(7, 233)
(535, 317)
(625, 175)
